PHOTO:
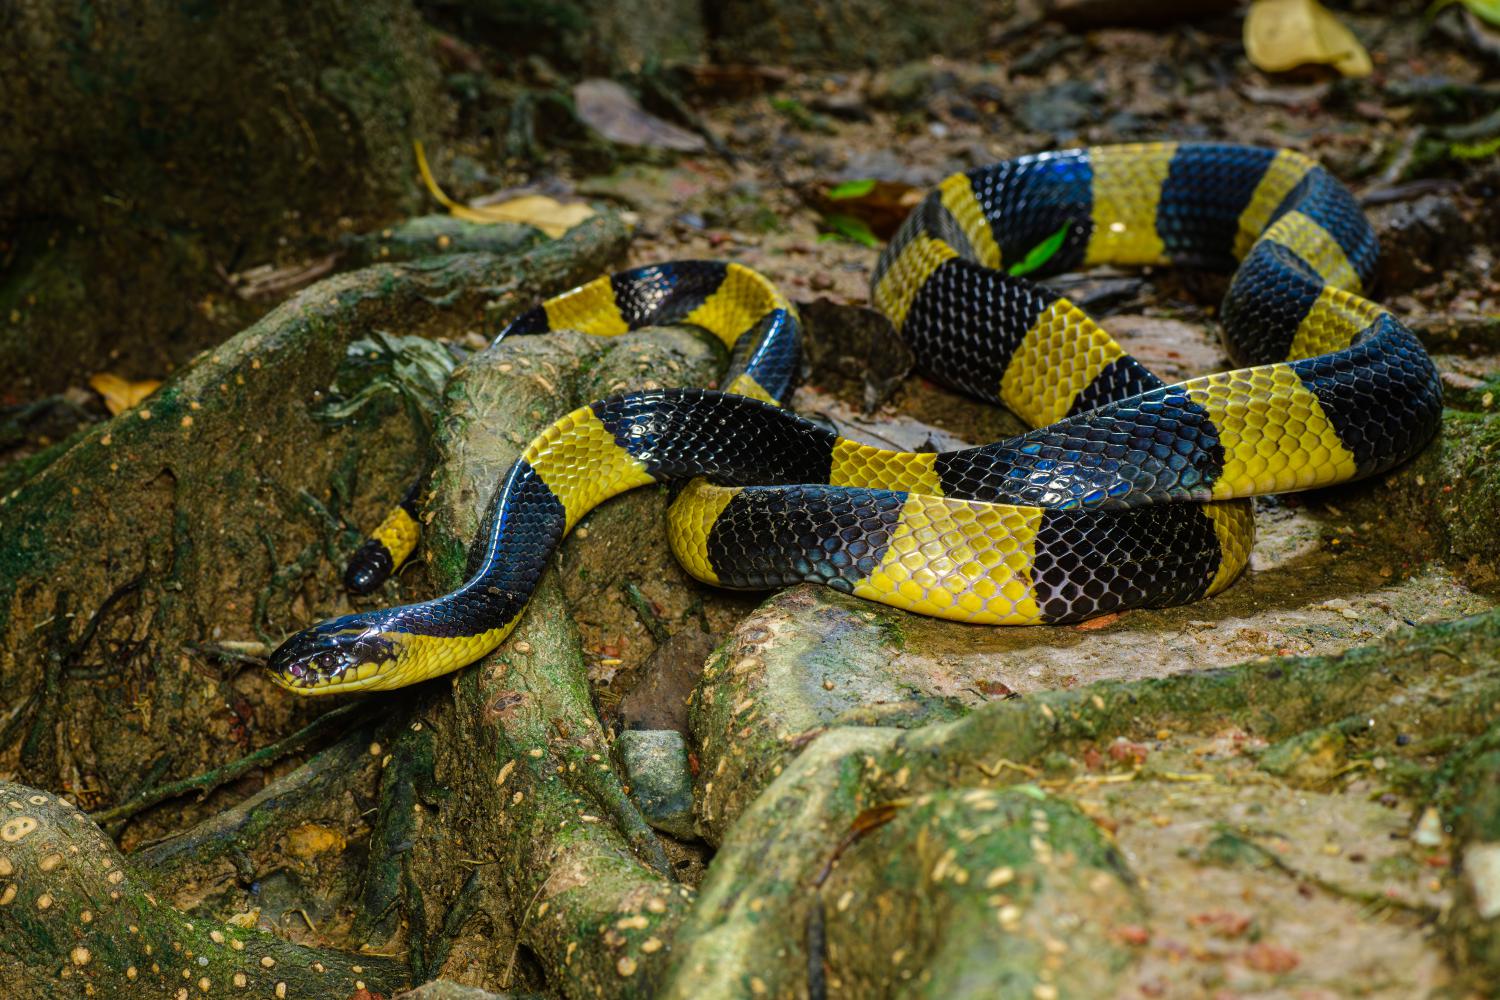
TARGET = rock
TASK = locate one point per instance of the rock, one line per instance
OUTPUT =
(911, 86)
(1420, 239)
(659, 699)
(927, 805)
(656, 768)
(1061, 108)
(855, 342)
(1309, 760)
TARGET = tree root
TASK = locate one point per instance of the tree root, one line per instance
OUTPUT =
(79, 919)
(209, 780)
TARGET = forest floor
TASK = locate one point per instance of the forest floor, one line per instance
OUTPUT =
(1206, 801)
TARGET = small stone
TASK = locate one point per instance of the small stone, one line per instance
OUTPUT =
(1429, 831)
(626, 966)
(661, 782)
(1482, 867)
(80, 955)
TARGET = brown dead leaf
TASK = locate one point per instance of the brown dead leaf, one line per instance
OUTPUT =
(881, 205)
(1284, 34)
(1128, 752)
(1265, 957)
(121, 394)
(613, 112)
(1102, 621)
(1221, 923)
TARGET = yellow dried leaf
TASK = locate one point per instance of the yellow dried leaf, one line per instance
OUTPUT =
(311, 839)
(1284, 34)
(121, 394)
(246, 920)
(547, 214)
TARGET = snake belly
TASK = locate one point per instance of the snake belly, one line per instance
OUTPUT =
(1128, 493)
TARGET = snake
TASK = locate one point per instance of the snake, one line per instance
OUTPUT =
(1127, 493)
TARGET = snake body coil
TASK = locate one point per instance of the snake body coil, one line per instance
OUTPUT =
(1130, 493)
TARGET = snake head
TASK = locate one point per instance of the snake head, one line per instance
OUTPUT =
(344, 654)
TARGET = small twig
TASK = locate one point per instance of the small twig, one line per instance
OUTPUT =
(1373, 899)
(305, 918)
(515, 947)
(646, 613)
(228, 654)
(995, 769)
(864, 824)
(209, 780)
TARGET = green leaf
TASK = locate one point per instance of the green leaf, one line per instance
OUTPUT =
(1487, 10)
(852, 229)
(1042, 252)
(1475, 150)
(852, 189)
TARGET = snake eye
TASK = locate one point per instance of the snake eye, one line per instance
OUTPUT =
(331, 661)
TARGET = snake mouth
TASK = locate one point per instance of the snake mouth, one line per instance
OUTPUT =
(337, 656)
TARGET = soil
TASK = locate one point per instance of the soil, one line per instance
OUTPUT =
(1285, 791)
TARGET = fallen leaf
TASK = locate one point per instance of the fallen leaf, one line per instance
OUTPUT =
(121, 394)
(1127, 752)
(1221, 923)
(1489, 10)
(1284, 34)
(1101, 621)
(1035, 258)
(247, 920)
(547, 214)
(852, 229)
(611, 110)
(881, 206)
(311, 839)
(1271, 958)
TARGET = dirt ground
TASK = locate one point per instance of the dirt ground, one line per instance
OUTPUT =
(1215, 801)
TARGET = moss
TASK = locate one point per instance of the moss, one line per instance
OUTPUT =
(569, 870)
(223, 460)
(78, 919)
(753, 912)
(120, 110)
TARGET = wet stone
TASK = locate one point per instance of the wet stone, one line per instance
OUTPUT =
(661, 785)
(1061, 109)
(1420, 239)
